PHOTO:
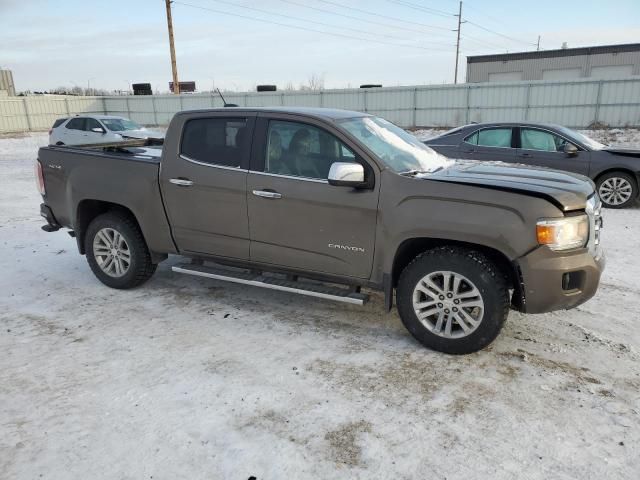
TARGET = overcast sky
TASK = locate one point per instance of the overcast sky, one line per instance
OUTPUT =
(393, 42)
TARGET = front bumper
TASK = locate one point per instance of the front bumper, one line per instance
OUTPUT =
(558, 281)
(52, 224)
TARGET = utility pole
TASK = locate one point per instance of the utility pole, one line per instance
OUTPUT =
(174, 68)
(538, 48)
(455, 77)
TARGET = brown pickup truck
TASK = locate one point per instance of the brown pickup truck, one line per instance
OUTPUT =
(324, 202)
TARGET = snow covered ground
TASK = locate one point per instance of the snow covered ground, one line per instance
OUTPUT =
(194, 378)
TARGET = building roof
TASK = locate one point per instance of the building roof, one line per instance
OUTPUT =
(561, 52)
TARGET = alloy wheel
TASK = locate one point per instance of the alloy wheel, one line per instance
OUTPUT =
(448, 304)
(111, 251)
(615, 191)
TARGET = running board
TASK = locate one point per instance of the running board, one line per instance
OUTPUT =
(275, 283)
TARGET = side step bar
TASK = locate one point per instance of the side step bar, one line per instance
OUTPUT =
(275, 283)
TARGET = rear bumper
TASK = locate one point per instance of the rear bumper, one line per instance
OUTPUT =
(52, 224)
(558, 281)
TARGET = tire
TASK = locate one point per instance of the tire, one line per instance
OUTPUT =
(617, 189)
(478, 283)
(132, 265)
(59, 144)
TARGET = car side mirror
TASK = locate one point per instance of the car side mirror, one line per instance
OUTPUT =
(98, 130)
(346, 174)
(570, 149)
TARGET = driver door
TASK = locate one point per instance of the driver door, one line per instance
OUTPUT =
(546, 149)
(298, 220)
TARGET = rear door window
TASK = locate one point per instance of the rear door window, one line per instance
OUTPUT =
(216, 141)
(491, 137)
(76, 124)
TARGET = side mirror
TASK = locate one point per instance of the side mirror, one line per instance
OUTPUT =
(346, 174)
(570, 149)
(98, 130)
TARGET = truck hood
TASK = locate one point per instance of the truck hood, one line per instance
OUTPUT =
(567, 191)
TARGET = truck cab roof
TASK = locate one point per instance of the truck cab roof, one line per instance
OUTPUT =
(330, 114)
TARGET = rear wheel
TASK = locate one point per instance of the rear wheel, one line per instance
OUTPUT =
(117, 252)
(617, 189)
(453, 300)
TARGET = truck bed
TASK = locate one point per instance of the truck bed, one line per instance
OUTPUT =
(79, 178)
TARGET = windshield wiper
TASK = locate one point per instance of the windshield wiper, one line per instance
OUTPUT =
(411, 173)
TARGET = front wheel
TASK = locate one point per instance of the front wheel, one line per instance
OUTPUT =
(453, 300)
(617, 189)
(116, 251)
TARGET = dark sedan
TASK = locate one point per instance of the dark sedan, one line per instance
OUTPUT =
(615, 171)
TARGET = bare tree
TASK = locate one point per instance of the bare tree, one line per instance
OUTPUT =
(314, 82)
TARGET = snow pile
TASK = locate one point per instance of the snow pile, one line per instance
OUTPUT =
(193, 378)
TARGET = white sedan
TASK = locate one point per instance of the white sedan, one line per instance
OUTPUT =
(86, 129)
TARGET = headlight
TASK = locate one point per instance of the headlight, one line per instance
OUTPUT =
(563, 233)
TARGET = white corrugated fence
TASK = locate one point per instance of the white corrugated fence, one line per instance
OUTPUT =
(576, 103)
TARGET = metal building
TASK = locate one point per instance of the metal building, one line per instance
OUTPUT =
(7, 87)
(608, 61)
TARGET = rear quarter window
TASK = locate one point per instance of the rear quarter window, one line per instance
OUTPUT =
(59, 122)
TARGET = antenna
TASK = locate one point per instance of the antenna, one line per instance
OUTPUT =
(224, 101)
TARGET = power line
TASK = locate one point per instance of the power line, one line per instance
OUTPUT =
(499, 34)
(291, 17)
(323, 10)
(421, 8)
(387, 17)
(481, 41)
(297, 27)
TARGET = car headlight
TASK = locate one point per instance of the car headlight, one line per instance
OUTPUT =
(563, 233)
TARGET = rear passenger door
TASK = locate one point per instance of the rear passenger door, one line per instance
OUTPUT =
(204, 181)
(546, 149)
(489, 144)
(73, 132)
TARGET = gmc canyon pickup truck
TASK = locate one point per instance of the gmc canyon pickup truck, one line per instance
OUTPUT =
(324, 202)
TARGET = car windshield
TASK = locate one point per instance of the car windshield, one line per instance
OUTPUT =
(581, 138)
(399, 150)
(120, 124)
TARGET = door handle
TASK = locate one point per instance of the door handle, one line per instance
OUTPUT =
(267, 194)
(183, 182)
(525, 154)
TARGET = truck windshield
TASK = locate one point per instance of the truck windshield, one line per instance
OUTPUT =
(399, 150)
(120, 124)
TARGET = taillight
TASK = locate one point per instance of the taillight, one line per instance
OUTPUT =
(50, 131)
(40, 178)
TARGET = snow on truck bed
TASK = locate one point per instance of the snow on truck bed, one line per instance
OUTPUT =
(194, 378)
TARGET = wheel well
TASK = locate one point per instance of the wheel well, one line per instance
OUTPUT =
(622, 170)
(410, 249)
(90, 209)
